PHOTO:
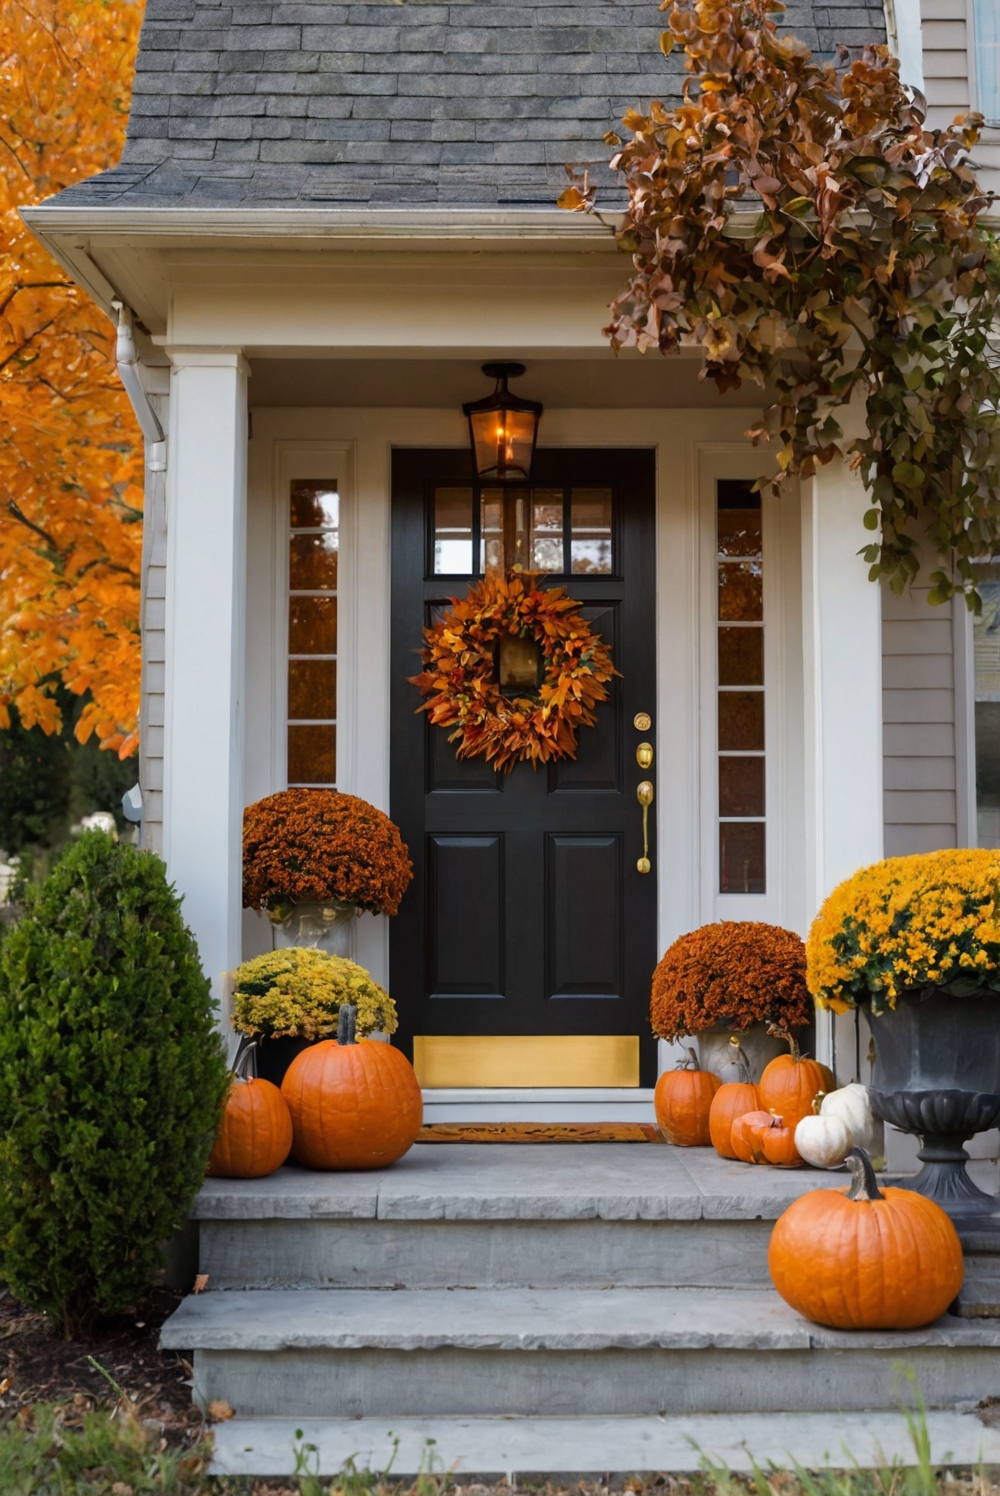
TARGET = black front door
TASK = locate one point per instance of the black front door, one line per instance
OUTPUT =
(527, 915)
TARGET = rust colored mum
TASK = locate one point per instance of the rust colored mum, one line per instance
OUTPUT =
(322, 847)
(731, 974)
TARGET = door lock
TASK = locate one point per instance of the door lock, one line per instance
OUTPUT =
(644, 755)
(644, 794)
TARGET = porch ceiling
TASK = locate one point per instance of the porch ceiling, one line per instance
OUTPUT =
(600, 382)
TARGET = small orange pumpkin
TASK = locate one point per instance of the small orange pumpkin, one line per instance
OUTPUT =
(791, 1081)
(682, 1100)
(778, 1145)
(732, 1100)
(355, 1104)
(867, 1259)
(745, 1136)
(255, 1134)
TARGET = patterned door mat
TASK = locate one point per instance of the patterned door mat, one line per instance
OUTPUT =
(540, 1132)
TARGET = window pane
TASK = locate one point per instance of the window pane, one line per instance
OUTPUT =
(986, 634)
(986, 16)
(315, 505)
(547, 530)
(312, 562)
(590, 545)
(741, 857)
(741, 657)
(452, 531)
(741, 720)
(312, 755)
(312, 625)
(741, 591)
(491, 528)
(312, 689)
(739, 532)
(741, 786)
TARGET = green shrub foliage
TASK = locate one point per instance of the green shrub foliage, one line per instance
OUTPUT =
(112, 1077)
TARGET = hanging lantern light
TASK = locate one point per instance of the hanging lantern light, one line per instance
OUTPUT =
(503, 429)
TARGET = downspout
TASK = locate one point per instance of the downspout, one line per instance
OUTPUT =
(127, 358)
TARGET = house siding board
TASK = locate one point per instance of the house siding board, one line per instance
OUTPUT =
(216, 85)
(918, 746)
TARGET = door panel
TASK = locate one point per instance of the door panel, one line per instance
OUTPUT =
(527, 915)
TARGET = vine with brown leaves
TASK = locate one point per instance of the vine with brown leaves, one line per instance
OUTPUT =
(797, 219)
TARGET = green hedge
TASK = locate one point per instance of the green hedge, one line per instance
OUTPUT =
(112, 1077)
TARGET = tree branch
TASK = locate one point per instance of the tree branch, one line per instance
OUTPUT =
(20, 515)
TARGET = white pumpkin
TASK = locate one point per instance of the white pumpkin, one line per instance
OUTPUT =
(822, 1141)
(851, 1106)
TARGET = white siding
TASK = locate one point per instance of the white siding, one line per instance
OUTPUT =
(154, 591)
(949, 78)
(918, 716)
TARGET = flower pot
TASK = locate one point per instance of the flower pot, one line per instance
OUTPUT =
(275, 1055)
(758, 1045)
(324, 927)
(937, 1074)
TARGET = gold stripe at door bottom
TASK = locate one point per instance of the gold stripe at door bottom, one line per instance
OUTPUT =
(447, 1061)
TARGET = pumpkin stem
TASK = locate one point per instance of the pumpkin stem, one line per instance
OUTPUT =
(691, 1063)
(247, 1056)
(346, 1021)
(739, 1059)
(779, 1032)
(864, 1185)
(817, 1102)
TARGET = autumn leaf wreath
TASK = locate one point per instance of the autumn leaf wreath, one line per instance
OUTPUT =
(460, 672)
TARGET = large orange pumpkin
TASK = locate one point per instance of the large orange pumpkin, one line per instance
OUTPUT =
(355, 1104)
(255, 1134)
(866, 1260)
(790, 1082)
(731, 1101)
(682, 1100)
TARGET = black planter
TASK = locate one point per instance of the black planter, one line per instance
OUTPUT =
(937, 1074)
(275, 1055)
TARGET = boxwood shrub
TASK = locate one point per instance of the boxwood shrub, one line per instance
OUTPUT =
(112, 1077)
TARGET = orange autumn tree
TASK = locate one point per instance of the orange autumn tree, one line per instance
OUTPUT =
(70, 451)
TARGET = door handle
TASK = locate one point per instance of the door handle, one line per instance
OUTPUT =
(644, 794)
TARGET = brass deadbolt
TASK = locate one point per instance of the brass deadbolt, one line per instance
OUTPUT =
(642, 721)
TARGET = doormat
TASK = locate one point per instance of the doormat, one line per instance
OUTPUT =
(540, 1132)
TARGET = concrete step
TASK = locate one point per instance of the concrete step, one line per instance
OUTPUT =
(362, 1353)
(514, 1448)
(980, 1295)
(518, 1215)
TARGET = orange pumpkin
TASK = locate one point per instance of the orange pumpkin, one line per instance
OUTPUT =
(778, 1145)
(682, 1100)
(732, 1100)
(745, 1136)
(791, 1081)
(355, 1104)
(867, 1259)
(255, 1134)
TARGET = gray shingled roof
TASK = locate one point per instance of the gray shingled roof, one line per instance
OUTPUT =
(417, 103)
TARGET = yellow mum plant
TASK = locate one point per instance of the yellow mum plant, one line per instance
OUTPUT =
(298, 992)
(909, 922)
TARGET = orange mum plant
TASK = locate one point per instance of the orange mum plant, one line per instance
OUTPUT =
(730, 975)
(459, 675)
(322, 847)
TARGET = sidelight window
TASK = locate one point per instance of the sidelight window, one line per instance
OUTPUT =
(314, 533)
(986, 636)
(740, 688)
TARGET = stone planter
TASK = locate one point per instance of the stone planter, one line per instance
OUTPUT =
(937, 1074)
(324, 927)
(758, 1045)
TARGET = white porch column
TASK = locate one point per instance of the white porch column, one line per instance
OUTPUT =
(842, 653)
(205, 632)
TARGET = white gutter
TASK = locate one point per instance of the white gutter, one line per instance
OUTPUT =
(127, 359)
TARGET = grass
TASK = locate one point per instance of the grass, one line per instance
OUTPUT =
(76, 1449)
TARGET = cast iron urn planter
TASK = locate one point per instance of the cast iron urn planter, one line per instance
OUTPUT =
(937, 1074)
